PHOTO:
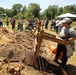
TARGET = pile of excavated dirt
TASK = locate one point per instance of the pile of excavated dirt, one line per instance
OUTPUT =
(16, 53)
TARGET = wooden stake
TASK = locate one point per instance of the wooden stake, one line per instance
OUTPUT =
(39, 39)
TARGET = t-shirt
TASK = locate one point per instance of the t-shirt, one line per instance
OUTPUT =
(67, 33)
(60, 23)
(57, 21)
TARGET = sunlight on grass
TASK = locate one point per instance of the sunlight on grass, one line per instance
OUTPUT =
(74, 25)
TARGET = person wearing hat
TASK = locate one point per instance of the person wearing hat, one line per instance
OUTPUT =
(67, 33)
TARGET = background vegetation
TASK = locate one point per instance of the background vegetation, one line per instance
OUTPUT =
(33, 11)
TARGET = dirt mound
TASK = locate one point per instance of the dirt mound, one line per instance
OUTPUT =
(17, 69)
(15, 46)
(16, 53)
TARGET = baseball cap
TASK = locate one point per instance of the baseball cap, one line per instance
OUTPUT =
(66, 20)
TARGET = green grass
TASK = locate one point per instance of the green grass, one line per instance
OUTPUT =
(74, 25)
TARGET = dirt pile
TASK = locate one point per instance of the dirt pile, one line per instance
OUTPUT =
(17, 68)
(13, 45)
(16, 53)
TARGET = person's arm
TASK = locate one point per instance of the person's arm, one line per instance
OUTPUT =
(72, 35)
(71, 39)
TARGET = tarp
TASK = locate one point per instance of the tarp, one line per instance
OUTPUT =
(67, 15)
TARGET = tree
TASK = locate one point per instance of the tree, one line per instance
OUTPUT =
(70, 9)
(51, 11)
(1, 11)
(43, 15)
(8, 12)
(17, 8)
(24, 10)
(34, 8)
(60, 11)
(28, 14)
(19, 15)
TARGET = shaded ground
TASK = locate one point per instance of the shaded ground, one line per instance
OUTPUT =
(16, 54)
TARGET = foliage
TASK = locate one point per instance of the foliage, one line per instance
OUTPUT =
(70, 9)
(1, 11)
(60, 11)
(33, 11)
(17, 8)
(34, 8)
(50, 12)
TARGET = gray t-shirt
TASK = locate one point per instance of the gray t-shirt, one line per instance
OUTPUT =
(67, 33)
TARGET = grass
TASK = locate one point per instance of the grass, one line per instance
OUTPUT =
(74, 24)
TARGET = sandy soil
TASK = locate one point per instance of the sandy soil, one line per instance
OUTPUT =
(16, 54)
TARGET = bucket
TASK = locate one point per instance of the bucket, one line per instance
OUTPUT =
(52, 48)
